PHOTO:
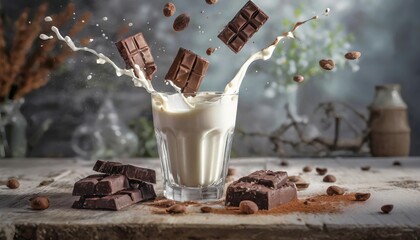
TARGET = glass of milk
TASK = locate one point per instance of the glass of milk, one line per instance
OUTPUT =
(194, 137)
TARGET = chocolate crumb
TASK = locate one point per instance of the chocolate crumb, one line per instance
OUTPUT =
(365, 168)
(206, 209)
(13, 183)
(164, 203)
(181, 22)
(362, 196)
(327, 64)
(176, 209)
(210, 51)
(353, 55)
(321, 171)
(46, 182)
(248, 207)
(39, 203)
(387, 208)
(169, 9)
(298, 78)
(330, 178)
(396, 163)
(302, 185)
(284, 163)
(335, 190)
(307, 169)
(211, 2)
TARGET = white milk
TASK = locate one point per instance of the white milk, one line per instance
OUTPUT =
(195, 143)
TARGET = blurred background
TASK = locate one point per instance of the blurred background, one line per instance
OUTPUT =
(81, 95)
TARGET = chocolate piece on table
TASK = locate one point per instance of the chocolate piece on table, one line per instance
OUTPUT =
(267, 178)
(187, 71)
(130, 171)
(147, 191)
(243, 26)
(100, 185)
(135, 50)
(265, 197)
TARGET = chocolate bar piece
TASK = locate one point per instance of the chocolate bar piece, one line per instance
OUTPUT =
(100, 185)
(147, 191)
(265, 197)
(187, 71)
(132, 172)
(243, 26)
(135, 50)
(267, 178)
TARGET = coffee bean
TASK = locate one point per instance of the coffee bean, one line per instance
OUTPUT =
(321, 171)
(169, 9)
(387, 208)
(231, 171)
(335, 190)
(176, 209)
(295, 179)
(362, 196)
(210, 51)
(39, 203)
(396, 163)
(12, 183)
(248, 207)
(330, 178)
(353, 55)
(206, 209)
(284, 163)
(365, 168)
(211, 2)
(307, 169)
(298, 78)
(181, 22)
(302, 185)
(327, 64)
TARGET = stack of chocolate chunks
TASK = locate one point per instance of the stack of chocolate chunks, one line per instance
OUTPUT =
(265, 188)
(118, 187)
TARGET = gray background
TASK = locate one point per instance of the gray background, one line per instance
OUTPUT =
(386, 32)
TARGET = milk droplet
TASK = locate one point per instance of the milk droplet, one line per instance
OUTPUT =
(45, 37)
(97, 25)
(103, 35)
(48, 19)
(130, 24)
(91, 40)
(83, 21)
(199, 27)
(209, 39)
(105, 19)
(89, 77)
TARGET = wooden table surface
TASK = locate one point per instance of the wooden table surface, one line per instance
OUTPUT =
(387, 184)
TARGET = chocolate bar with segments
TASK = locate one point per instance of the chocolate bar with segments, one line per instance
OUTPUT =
(132, 172)
(267, 178)
(243, 26)
(100, 185)
(265, 197)
(135, 51)
(187, 71)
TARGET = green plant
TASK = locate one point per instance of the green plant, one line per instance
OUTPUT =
(143, 128)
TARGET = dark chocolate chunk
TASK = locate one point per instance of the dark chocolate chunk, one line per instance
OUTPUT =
(147, 191)
(86, 186)
(267, 178)
(135, 51)
(265, 198)
(100, 185)
(187, 71)
(243, 26)
(130, 171)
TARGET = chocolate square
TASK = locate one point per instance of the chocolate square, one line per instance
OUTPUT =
(187, 71)
(135, 51)
(243, 26)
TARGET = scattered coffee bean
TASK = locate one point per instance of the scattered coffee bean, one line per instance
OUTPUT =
(181, 22)
(211, 2)
(329, 178)
(284, 163)
(46, 182)
(210, 51)
(362, 196)
(396, 163)
(365, 168)
(39, 203)
(248, 207)
(327, 64)
(321, 171)
(387, 208)
(335, 190)
(12, 183)
(306, 202)
(307, 169)
(302, 185)
(231, 171)
(353, 55)
(206, 209)
(295, 179)
(298, 78)
(176, 209)
(169, 9)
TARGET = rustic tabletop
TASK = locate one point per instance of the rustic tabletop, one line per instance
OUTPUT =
(388, 184)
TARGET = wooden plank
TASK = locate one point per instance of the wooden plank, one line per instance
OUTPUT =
(388, 184)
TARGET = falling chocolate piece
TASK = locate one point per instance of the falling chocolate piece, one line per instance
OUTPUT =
(243, 26)
(135, 51)
(187, 71)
